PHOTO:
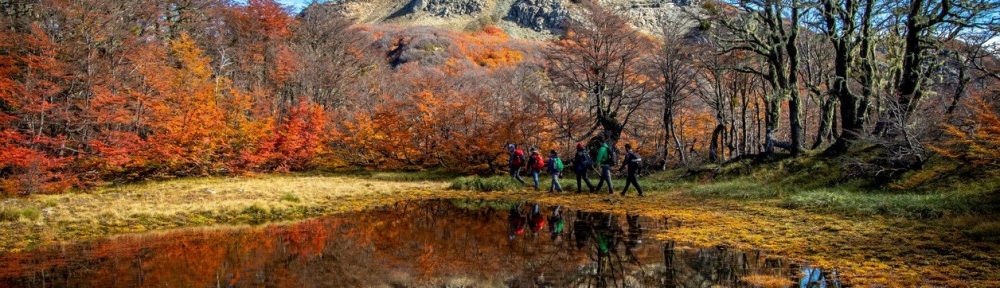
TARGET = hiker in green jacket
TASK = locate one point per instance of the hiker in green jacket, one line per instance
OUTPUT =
(605, 160)
(555, 167)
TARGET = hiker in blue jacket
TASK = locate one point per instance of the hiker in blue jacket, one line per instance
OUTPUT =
(632, 163)
(581, 165)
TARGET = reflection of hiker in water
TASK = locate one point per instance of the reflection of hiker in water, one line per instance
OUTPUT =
(632, 237)
(537, 220)
(582, 230)
(556, 223)
(517, 221)
(604, 233)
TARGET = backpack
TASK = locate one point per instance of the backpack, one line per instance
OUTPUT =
(587, 163)
(518, 158)
(612, 158)
(559, 165)
(634, 161)
(538, 162)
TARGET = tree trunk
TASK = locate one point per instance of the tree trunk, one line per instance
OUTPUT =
(795, 117)
(853, 109)
(772, 114)
(795, 105)
(825, 129)
(612, 129)
(714, 154)
(677, 145)
(668, 124)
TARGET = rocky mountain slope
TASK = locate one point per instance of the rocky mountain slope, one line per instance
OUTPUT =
(530, 19)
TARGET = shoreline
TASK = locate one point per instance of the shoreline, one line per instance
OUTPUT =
(864, 250)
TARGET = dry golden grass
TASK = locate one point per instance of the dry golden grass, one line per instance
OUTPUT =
(199, 202)
(768, 281)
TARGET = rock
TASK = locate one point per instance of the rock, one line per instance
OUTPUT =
(538, 15)
(450, 8)
(546, 17)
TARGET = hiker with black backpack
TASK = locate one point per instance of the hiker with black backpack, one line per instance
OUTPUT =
(605, 159)
(515, 162)
(632, 163)
(555, 167)
(582, 164)
(535, 165)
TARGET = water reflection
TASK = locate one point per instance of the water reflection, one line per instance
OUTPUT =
(418, 244)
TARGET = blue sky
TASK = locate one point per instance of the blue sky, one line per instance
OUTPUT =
(295, 5)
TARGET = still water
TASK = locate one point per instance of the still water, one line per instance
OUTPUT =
(453, 243)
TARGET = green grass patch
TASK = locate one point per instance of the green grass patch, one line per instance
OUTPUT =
(736, 189)
(930, 205)
(478, 204)
(485, 184)
(430, 175)
(290, 198)
(12, 214)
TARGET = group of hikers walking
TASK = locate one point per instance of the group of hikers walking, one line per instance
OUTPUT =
(581, 164)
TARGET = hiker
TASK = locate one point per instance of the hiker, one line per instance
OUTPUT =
(632, 163)
(555, 167)
(535, 165)
(605, 158)
(581, 164)
(516, 161)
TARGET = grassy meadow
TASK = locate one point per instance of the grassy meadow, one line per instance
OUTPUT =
(887, 236)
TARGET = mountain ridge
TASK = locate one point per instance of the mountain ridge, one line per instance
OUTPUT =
(525, 19)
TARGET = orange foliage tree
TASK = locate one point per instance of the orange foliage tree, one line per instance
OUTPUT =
(976, 141)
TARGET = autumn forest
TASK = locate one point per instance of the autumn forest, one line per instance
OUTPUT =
(96, 92)
(843, 110)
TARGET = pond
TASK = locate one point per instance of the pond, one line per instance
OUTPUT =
(442, 243)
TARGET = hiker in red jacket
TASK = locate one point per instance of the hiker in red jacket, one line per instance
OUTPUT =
(535, 165)
(516, 161)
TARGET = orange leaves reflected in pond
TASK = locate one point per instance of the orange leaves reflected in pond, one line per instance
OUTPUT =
(463, 243)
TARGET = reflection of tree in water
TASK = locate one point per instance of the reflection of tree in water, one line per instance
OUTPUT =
(455, 244)
(708, 267)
